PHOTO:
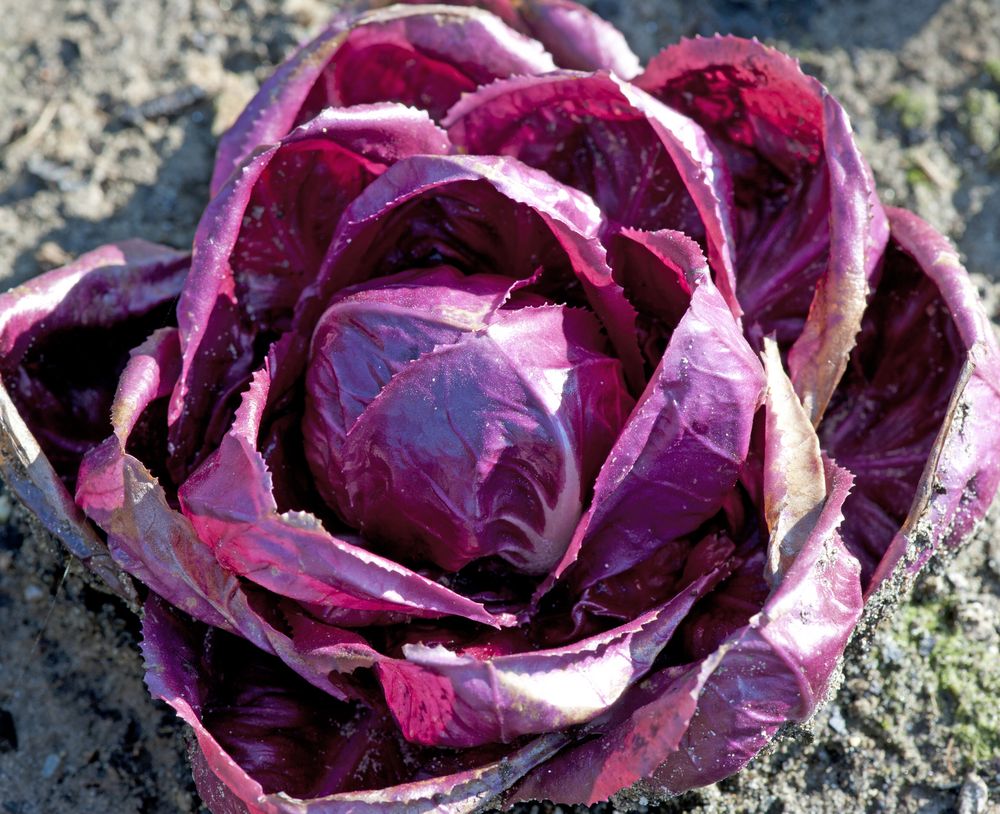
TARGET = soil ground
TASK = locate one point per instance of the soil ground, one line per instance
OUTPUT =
(109, 113)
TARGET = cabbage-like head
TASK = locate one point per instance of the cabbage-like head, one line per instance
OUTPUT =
(523, 424)
(447, 422)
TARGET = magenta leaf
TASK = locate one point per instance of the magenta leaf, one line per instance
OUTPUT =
(646, 166)
(681, 451)
(809, 230)
(917, 444)
(691, 726)
(448, 429)
(355, 61)
(429, 210)
(229, 503)
(233, 714)
(260, 242)
(443, 698)
(64, 339)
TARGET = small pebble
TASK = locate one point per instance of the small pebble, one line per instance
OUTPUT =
(837, 722)
(166, 106)
(974, 796)
(892, 652)
(50, 765)
(51, 255)
(59, 175)
(5, 508)
(32, 593)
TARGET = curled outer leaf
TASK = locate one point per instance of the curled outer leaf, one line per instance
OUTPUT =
(858, 235)
(171, 647)
(809, 228)
(794, 491)
(450, 50)
(28, 473)
(460, 700)
(921, 439)
(261, 241)
(575, 36)
(64, 338)
(694, 725)
(153, 542)
(119, 493)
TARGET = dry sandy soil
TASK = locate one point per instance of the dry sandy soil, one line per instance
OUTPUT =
(109, 112)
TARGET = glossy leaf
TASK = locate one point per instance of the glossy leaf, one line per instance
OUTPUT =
(447, 51)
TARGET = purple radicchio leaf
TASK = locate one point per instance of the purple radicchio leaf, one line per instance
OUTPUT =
(460, 211)
(265, 741)
(647, 166)
(64, 339)
(576, 37)
(658, 271)
(155, 543)
(260, 241)
(230, 504)
(809, 227)
(447, 428)
(447, 50)
(443, 698)
(695, 724)
(681, 451)
(919, 438)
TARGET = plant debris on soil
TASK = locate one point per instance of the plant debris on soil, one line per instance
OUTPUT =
(109, 115)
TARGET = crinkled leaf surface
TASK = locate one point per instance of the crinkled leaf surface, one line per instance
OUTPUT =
(809, 228)
(444, 427)
(647, 166)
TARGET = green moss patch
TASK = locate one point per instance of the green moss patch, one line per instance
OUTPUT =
(963, 677)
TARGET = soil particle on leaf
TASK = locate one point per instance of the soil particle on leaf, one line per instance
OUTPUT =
(109, 115)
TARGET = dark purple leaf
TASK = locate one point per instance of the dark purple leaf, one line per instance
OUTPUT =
(260, 241)
(809, 228)
(647, 166)
(234, 711)
(64, 340)
(575, 36)
(913, 418)
(357, 59)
